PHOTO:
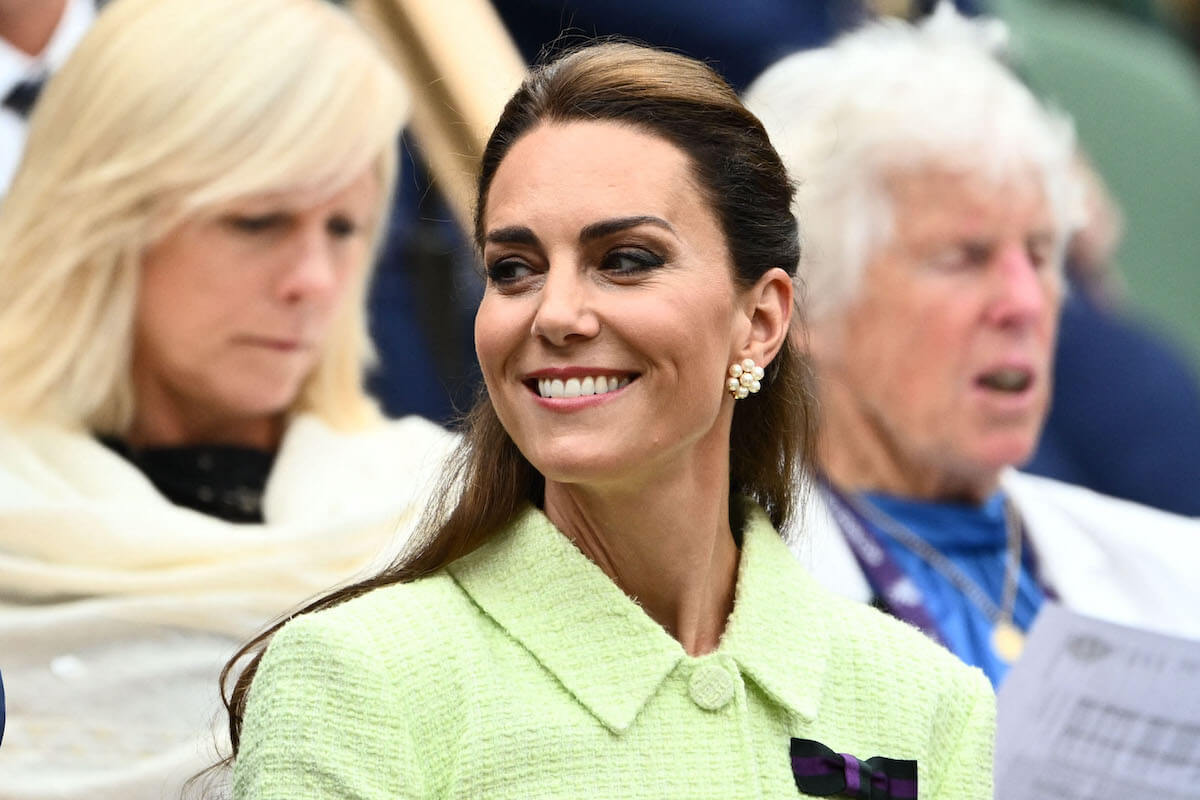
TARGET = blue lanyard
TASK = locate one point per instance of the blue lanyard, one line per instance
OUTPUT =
(900, 596)
(894, 590)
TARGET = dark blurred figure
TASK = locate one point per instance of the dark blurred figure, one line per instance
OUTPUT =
(422, 302)
(739, 40)
(1125, 414)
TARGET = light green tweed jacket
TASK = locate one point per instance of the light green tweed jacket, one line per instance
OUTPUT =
(522, 671)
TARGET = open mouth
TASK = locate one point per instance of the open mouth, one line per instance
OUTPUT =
(579, 387)
(1012, 380)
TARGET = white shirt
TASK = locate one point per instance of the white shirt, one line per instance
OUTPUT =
(1104, 557)
(17, 66)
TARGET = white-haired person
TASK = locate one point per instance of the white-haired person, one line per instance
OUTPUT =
(185, 447)
(939, 197)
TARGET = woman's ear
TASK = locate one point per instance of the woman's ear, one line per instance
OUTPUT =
(768, 305)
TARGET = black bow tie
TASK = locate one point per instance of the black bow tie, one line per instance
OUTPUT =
(22, 96)
(820, 772)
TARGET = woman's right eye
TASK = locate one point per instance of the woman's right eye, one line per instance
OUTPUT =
(508, 271)
(254, 223)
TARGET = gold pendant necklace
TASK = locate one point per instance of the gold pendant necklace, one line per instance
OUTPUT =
(1007, 641)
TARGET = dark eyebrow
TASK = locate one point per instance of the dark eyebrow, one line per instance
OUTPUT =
(598, 230)
(514, 234)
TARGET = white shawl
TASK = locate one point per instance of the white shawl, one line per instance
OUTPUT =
(118, 608)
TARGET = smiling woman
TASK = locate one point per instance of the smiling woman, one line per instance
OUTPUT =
(186, 449)
(590, 291)
(602, 606)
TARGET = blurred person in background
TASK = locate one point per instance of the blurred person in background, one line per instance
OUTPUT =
(939, 197)
(36, 36)
(606, 608)
(186, 449)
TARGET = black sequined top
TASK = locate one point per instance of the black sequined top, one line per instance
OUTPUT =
(219, 480)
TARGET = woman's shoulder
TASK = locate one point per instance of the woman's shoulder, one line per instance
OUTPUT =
(407, 647)
(364, 690)
(391, 619)
(897, 654)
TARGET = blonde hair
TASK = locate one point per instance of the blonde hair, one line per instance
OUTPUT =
(170, 109)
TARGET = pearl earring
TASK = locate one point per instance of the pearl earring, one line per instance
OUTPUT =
(744, 379)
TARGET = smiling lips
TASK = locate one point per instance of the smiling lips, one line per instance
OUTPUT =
(581, 387)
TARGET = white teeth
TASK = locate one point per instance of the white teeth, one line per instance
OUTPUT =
(580, 387)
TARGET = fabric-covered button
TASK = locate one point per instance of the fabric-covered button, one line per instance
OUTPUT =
(711, 687)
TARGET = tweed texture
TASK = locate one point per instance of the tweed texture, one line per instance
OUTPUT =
(522, 671)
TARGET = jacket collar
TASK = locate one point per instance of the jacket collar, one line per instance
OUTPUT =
(610, 655)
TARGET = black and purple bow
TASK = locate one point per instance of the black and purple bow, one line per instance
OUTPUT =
(821, 772)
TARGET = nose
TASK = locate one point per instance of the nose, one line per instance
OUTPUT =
(1024, 290)
(311, 270)
(564, 311)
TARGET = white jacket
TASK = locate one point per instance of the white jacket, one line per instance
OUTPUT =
(118, 608)
(1104, 557)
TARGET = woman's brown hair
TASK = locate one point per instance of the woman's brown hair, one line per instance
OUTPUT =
(742, 179)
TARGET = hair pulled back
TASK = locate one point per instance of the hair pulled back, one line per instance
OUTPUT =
(743, 180)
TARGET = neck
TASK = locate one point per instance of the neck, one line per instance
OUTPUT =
(171, 430)
(669, 547)
(165, 419)
(29, 25)
(859, 453)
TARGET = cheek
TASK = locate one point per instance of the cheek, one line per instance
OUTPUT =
(701, 344)
(896, 353)
(1054, 298)
(174, 308)
(498, 332)
(349, 292)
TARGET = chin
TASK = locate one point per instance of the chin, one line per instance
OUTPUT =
(572, 465)
(1004, 452)
(263, 402)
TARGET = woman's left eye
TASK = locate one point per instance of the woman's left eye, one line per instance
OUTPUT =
(630, 261)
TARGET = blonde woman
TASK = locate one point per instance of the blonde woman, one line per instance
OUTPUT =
(185, 447)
